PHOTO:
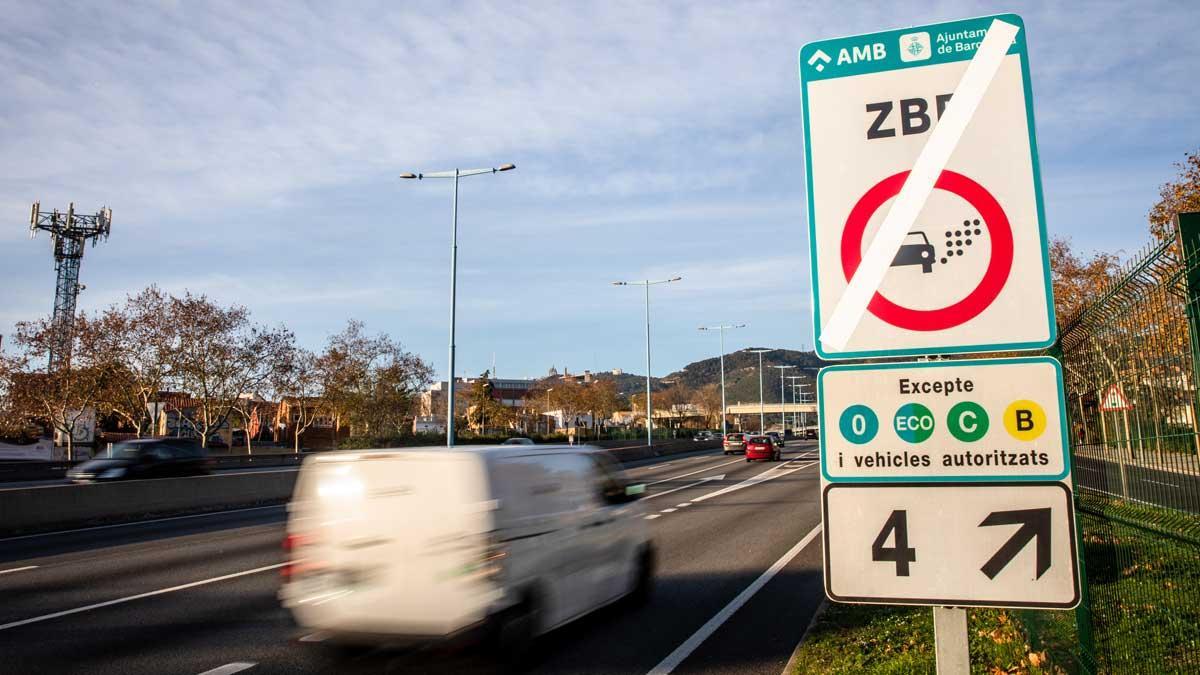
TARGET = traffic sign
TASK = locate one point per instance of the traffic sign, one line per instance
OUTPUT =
(951, 544)
(971, 420)
(972, 273)
(1114, 399)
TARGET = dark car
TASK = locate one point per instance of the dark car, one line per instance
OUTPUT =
(916, 254)
(811, 433)
(705, 436)
(144, 458)
(776, 438)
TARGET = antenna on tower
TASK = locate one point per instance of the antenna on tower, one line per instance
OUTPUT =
(68, 232)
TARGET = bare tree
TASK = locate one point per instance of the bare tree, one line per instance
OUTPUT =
(299, 382)
(218, 355)
(132, 342)
(65, 397)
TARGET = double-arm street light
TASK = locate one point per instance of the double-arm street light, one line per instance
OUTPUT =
(795, 410)
(649, 407)
(762, 417)
(455, 174)
(782, 401)
(722, 328)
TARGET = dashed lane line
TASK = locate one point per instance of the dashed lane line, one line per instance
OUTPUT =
(230, 668)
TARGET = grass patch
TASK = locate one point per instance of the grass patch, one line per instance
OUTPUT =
(890, 640)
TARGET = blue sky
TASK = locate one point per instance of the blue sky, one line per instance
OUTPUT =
(250, 151)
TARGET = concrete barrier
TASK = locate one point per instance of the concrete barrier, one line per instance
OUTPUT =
(63, 506)
(53, 507)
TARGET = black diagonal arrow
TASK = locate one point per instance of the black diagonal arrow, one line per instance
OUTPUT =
(1035, 524)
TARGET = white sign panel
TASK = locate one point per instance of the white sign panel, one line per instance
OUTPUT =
(994, 545)
(972, 272)
(972, 420)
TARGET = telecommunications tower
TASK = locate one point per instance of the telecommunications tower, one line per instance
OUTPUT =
(69, 232)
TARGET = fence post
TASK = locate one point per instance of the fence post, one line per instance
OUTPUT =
(1187, 231)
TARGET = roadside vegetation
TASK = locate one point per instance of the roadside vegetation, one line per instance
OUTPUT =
(893, 640)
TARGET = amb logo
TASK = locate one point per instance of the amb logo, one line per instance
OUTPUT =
(869, 52)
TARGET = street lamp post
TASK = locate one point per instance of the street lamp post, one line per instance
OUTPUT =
(649, 406)
(795, 410)
(782, 400)
(762, 416)
(803, 419)
(722, 329)
(455, 174)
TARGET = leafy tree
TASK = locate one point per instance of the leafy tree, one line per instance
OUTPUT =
(371, 382)
(1181, 195)
(1077, 280)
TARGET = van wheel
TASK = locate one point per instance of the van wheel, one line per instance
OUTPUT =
(516, 629)
(643, 585)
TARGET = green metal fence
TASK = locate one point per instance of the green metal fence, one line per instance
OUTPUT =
(1130, 363)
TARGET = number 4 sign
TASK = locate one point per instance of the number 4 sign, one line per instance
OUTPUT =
(1006, 545)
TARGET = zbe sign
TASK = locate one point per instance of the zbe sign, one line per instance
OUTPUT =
(971, 273)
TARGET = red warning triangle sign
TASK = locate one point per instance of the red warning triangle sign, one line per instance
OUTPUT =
(1114, 399)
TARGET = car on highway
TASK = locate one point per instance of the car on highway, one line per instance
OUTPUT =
(762, 447)
(144, 458)
(705, 436)
(518, 441)
(810, 433)
(776, 438)
(735, 442)
(487, 543)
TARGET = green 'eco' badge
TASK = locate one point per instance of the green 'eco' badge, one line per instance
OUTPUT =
(913, 423)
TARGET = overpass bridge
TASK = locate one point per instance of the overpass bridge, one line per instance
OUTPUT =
(771, 408)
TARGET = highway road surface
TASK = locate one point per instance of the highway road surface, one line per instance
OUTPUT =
(739, 579)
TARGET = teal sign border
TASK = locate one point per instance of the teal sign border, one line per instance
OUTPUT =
(893, 62)
(955, 478)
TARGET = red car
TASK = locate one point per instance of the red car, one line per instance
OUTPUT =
(762, 447)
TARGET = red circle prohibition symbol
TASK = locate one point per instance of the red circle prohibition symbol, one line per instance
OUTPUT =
(978, 299)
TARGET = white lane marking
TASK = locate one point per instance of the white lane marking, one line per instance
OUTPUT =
(1147, 480)
(669, 510)
(143, 522)
(699, 482)
(319, 636)
(684, 650)
(692, 473)
(652, 516)
(19, 569)
(919, 184)
(139, 596)
(680, 506)
(230, 668)
(770, 474)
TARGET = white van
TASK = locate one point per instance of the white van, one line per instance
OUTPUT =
(505, 542)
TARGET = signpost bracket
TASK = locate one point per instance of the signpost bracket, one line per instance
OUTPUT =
(950, 641)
